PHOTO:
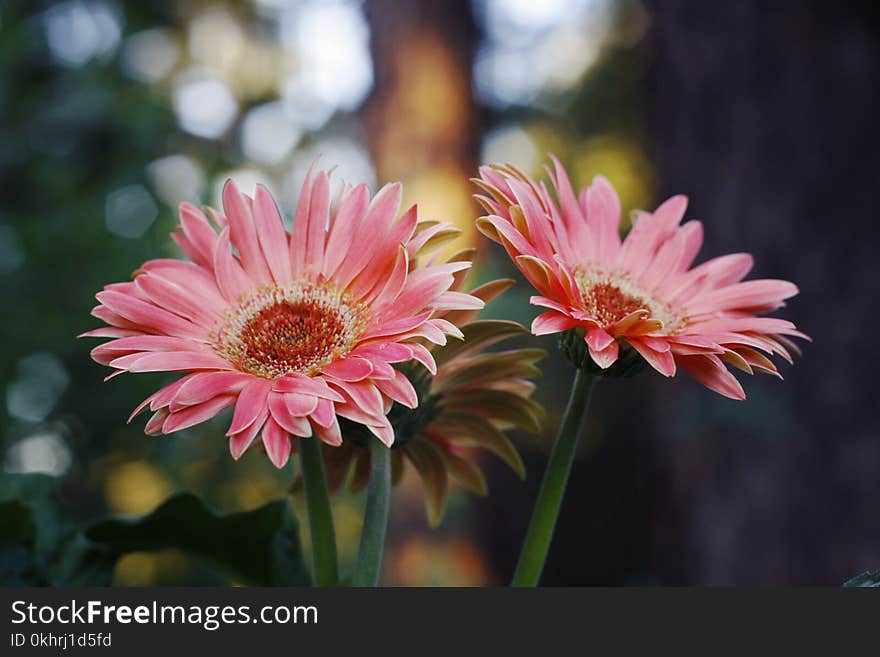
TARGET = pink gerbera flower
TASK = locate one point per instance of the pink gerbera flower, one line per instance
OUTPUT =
(291, 330)
(639, 295)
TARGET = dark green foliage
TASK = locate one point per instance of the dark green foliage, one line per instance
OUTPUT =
(40, 546)
(870, 579)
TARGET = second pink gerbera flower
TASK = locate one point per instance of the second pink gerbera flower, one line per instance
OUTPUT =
(291, 330)
(639, 293)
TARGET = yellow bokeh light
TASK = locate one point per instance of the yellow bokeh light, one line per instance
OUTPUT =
(623, 162)
(135, 487)
(431, 561)
(150, 568)
(444, 194)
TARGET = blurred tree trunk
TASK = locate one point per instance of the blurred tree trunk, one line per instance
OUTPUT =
(421, 120)
(766, 115)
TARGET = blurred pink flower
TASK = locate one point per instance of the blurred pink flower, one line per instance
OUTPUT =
(293, 330)
(639, 293)
(465, 409)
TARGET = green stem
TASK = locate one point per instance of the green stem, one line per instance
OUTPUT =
(369, 562)
(543, 522)
(320, 513)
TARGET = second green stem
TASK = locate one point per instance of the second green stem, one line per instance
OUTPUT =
(543, 522)
(369, 562)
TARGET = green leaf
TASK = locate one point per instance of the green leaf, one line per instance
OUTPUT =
(33, 529)
(16, 523)
(18, 565)
(259, 547)
(870, 579)
(37, 495)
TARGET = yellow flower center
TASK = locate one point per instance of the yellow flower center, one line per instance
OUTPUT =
(299, 328)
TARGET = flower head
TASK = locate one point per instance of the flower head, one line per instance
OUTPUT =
(464, 408)
(293, 330)
(621, 301)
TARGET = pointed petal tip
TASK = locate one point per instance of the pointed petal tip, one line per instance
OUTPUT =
(333, 441)
(229, 187)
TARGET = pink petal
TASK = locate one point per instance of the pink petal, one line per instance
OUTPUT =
(351, 411)
(373, 226)
(176, 299)
(143, 314)
(383, 432)
(381, 370)
(710, 371)
(421, 354)
(239, 443)
(395, 327)
(192, 415)
(457, 301)
(298, 426)
(299, 237)
(199, 233)
(277, 443)
(344, 227)
(170, 361)
(726, 269)
(298, 404)
(671, 211)
(744, 295)
(272, 236)
(154, 424)
(390, 352)
(161, 397)
(544, 302)
(252, 403)
(603, 213)
(295, 382)
(693, 240)
(331, 435)
(364, 395)
(395, 282)
(399, 389)
(110, 332)
(598, 339)
(552, 322)
(109, 351)
(324, 413)
(663, 361)
(243, 233)
(231, 277)
(536, 218)
(572, 214)
(199, 280)
(351, 368)
(207, 385)
(318, 218)
(656, 344)
(606, 357)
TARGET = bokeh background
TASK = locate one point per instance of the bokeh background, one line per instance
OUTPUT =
(765, 114)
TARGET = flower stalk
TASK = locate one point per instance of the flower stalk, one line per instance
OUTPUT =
(369, 561)
(320, 514)
(543, 522)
